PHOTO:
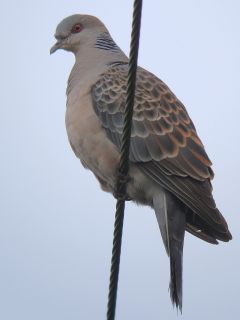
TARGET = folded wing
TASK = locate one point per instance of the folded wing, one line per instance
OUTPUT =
(164, 145)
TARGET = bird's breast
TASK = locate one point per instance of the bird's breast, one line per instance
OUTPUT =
(87, 137)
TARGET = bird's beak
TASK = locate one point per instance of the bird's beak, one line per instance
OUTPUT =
(56, 46)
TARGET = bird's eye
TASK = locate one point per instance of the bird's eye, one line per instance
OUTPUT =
(76, 28)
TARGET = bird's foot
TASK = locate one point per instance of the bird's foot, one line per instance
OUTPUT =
(117, 192)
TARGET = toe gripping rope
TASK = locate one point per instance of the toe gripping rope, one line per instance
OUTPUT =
(124, 161)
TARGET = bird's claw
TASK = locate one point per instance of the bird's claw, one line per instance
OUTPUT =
(117, 193)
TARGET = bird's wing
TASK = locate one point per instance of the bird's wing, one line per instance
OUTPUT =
(164, 142)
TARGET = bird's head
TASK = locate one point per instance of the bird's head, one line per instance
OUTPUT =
(76, 31)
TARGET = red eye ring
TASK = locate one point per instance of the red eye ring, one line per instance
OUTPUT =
(76, 28)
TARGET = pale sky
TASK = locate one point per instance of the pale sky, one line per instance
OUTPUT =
(55, 223)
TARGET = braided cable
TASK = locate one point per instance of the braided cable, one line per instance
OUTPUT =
(124, 161)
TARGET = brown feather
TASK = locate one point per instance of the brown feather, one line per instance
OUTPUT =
(164, 145)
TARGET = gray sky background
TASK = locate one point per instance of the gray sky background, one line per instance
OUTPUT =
(55, 223)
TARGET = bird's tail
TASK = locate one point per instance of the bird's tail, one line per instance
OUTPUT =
(171, 218)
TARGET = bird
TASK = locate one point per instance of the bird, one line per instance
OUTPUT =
(169, 171)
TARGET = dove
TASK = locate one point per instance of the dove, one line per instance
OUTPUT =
(170, 170)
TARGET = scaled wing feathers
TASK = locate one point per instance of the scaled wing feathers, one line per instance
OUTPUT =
(164, 142)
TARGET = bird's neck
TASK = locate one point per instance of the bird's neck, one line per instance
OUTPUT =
(93, 60)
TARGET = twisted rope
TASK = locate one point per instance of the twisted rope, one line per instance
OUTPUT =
(124, 160)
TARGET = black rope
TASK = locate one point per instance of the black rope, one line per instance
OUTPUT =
(124, 160)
